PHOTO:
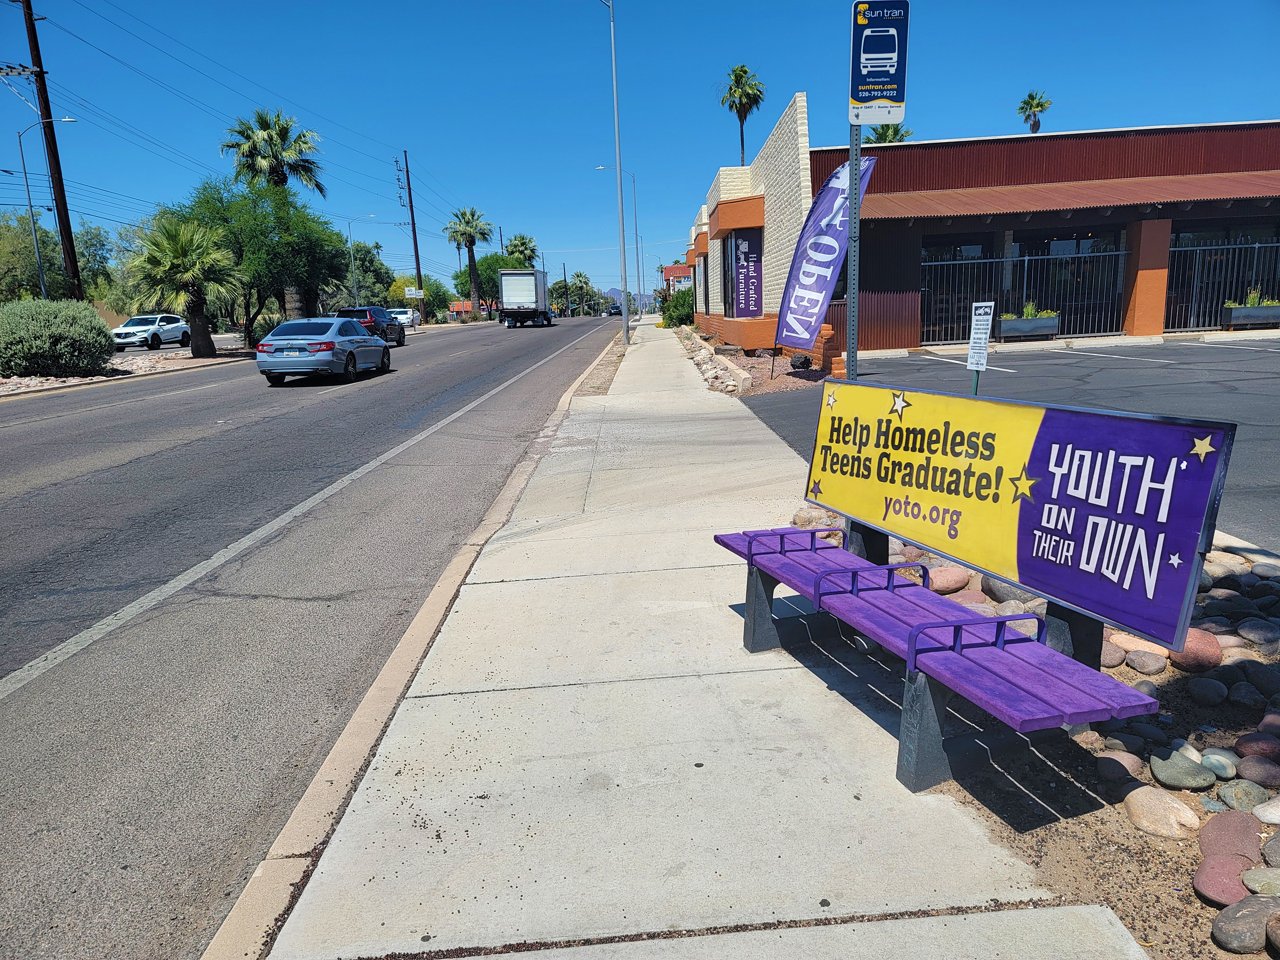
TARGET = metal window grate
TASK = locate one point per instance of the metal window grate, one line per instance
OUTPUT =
(1203, 278)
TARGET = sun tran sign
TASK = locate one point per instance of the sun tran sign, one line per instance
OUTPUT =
(878, 62)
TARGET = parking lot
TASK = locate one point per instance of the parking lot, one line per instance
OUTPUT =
(1237, 381)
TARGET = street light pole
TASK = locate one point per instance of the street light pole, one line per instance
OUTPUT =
(617, 153)
(635, 224)
(355, 290)
(31, 213)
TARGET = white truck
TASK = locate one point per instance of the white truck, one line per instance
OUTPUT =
(523, 294)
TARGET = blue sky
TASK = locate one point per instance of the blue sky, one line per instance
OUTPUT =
(507, 106)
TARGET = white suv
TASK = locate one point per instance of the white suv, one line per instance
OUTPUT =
(151, 331)
(407, 318)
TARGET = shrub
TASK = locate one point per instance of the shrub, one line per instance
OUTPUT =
(53, 338)
(678, 311)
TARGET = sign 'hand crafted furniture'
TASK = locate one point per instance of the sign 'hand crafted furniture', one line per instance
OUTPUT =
(1106, 515)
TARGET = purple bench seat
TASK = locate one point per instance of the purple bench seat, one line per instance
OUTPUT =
(1010, 674)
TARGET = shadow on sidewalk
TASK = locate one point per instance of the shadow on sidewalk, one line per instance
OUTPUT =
(1027, 781)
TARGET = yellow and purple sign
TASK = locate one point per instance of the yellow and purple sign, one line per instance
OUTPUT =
(1106, 513)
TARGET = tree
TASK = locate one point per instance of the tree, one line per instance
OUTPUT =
(183, 267)
(1032, 105)
(269, 150)
(523, 246)
(467, 228)
(559, 297)
(887, 133)
(580, 288)
(743, 96)
(486, 277)
(372, 276)
(19, 278)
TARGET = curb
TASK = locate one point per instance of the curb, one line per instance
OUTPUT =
(740, 376)
(113, 380)
(259, 912)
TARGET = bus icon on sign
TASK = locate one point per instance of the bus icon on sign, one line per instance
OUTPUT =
(879, 50)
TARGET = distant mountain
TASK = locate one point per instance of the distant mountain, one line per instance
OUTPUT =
(644, 299)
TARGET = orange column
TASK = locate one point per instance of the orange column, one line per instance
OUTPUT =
(1147, 278)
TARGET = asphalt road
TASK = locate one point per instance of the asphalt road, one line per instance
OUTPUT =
(1237, 381)
(145, 776)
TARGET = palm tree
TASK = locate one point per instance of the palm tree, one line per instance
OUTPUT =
(467, 228)
(887, 133)
(580, 287)
(743, 96)
(269, 150)
(1032, 105)
(523, 246)
(184, 268)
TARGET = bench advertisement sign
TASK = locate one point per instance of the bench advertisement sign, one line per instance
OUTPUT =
(1106, 513)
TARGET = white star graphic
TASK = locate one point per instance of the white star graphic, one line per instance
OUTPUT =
(899, 404)
(831, 399)
(1182, 465)
(1175, 561)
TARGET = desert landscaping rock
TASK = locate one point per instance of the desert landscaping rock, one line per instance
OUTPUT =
(1242, 795)
(1242, 927)
(1235, 657)
(1150, 732)
(1245, 694)
(970, 596)
(1012, 608)
(1117, 765)
(1222, 768)
(948, 579)
(1218, 881)
(1270, 723)
(1001, 591)
(1271, 852)
(1233, 832)
(1178, 772)
(1265, 880)
(1264, 772)
(1268, 812)
(1231, 641)
(1205, 691)
(1263, 676)
(1257, 630)
(1266, 570)
(1187, 750)
(1161, 814)
(1258, 745)
(1112, 656)
(1129, 643)
(1125, 743)
(1232, 561)
(1148, 688)
(1148, 664)
(1213, 625)
(1201, 652)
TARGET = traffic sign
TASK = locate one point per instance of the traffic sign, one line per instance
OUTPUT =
(412, 293)
(878, 62)
(980, 335)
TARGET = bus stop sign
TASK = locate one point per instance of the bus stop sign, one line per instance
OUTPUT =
(878, 62)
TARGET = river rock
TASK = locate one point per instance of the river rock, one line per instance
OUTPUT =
(1177, 772)
(1148, 664)
(1258, 745)
(1264, 772)
(1161, 814)
(1149, 731)
(1201, 652)
(982, 609)
(1242, 795)
(1124, 743)
(1112, 656)
(1268, 812)
(1245, 694)
(1233, 832)
(1233, 561)
(1187, 750)
(1117, 765)
(1270, 723)
(1231, 641)
(1222, 768)
(1271, 852)
(1213, 625)
(1263, 589)
(970, 596)
(1242, 927)
(1147, 688)
(1211, 805)
(1011, 608)
(1266, 570)
(1259, 631)
(1206, 691)
(1002, 591)
(1234, 657)
(948, 579)
(1129, 643)
(1265, 880)
(1217, 879)
(1228, 673)
(1234, 609)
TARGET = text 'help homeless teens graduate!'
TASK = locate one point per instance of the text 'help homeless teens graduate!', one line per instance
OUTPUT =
(1104, 512)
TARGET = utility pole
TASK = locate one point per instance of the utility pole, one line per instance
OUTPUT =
(568, 300)
(413, 226)
(502, 244)
(65, 238)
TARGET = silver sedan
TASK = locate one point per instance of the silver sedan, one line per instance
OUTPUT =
(323, 345)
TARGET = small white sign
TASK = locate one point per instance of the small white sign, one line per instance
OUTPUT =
(980, 335)
(412, 293)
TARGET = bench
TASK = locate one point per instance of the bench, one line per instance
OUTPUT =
(949, 650)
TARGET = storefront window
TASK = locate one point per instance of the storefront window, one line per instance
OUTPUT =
(1208, 233)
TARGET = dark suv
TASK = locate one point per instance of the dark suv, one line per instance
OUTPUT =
(377, 321)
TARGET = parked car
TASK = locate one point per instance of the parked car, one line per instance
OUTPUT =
(407, 318)
(377, 320)
(615, 310)
(151, 330)
(322, 345)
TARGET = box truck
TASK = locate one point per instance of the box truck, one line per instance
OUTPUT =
(524, 298)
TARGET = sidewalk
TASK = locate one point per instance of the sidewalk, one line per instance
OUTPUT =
(589, 761)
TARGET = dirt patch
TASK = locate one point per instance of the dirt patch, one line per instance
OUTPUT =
(120, 366)
(600, 379)
(770, 376)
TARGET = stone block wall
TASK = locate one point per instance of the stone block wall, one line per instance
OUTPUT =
(780, 172)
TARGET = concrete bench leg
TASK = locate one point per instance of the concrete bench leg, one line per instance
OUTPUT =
(922, 761)
(759, 632)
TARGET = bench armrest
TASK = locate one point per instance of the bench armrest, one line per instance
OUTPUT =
(957, 632)
(853, 579)
(782, 538)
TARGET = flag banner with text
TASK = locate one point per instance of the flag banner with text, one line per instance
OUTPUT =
(815, 266)
(1106, 513)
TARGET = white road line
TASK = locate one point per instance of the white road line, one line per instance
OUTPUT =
(68, 648)
(1114, 356)
(1229, 346)
(930, 356)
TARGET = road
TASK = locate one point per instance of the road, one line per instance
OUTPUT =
(146, 775)
(1237, 381)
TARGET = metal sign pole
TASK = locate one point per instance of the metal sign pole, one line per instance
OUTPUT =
(851, 284)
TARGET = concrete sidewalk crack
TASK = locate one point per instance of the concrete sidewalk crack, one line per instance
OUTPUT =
(599, 683)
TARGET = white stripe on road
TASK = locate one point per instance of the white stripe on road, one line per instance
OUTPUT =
(1114, 356)
(930, 356)
(68, 648)
(1229, 346)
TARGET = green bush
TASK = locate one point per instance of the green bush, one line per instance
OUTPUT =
(678, 310)
(53, 338)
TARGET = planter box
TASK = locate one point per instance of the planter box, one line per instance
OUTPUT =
(1233, 317)
(1027, 327)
